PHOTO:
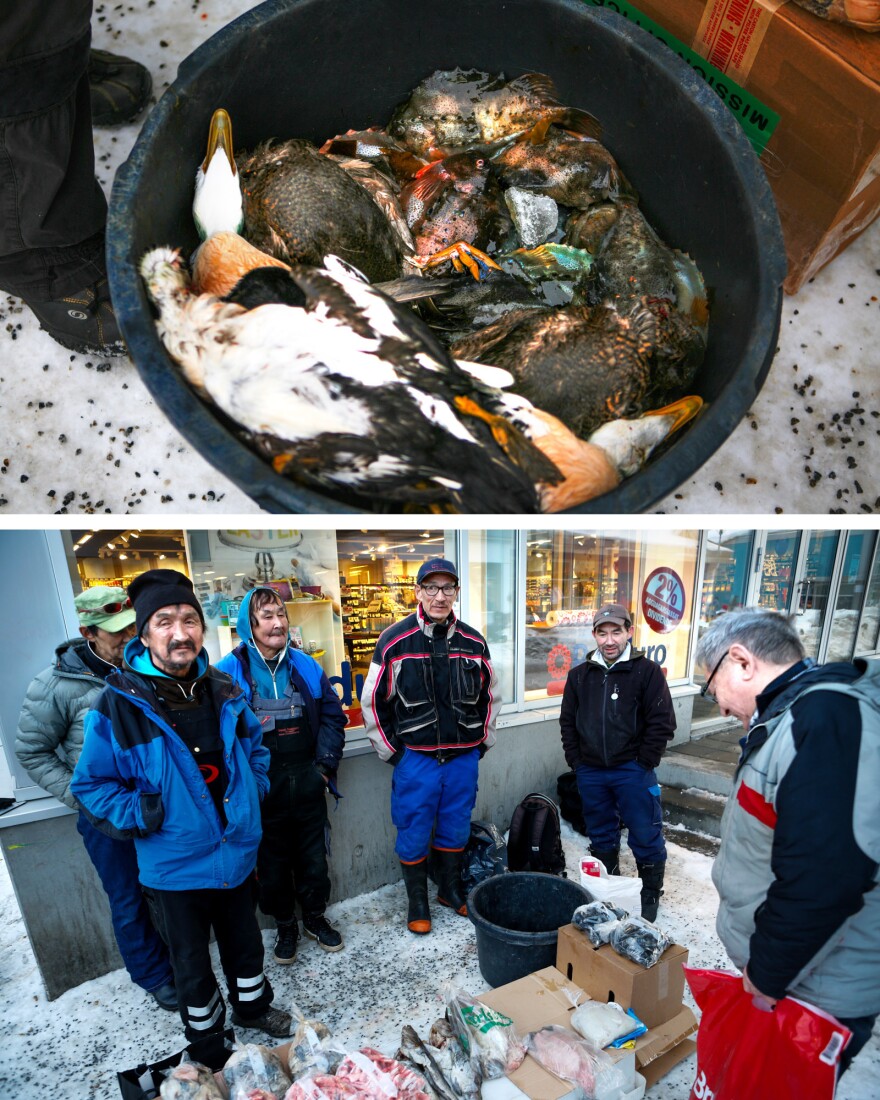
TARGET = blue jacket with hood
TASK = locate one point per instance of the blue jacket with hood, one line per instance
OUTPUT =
(245, 664)
(136, 778)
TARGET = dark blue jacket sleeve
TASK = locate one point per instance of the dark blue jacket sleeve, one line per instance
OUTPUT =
(821, 875)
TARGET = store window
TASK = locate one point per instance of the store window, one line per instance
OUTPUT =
(726, 570)
(116, 557)
(811, 604)
(492, 603)
(570, 574)
(777, 569)
(850, 595)
(869, 628)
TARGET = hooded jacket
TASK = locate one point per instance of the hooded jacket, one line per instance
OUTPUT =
(247, 667)
(52, 715)
(611, 716)
(137, 778)
(399, 700)
(797, 871)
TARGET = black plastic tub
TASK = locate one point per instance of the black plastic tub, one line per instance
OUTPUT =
(517, 918)
(314, 68)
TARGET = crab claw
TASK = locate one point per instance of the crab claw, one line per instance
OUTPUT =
(462, 255)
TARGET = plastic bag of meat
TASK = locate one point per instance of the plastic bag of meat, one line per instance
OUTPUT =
(190, 1081)
(596, 919)
(323, 1086)
(864, 14)
(380, 1077)
(573, 1058)
(487, 1036)
(255, 1068)
(639, 940)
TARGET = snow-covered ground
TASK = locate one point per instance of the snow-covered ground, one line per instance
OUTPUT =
(70, 1048)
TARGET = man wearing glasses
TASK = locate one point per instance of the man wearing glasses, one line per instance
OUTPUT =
(616, 720)
(804, 798)
(429, 705)
(49, 743)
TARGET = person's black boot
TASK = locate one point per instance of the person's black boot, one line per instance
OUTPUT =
(274, 1021)
(120, 88)
(609, 858)
(449, 890)
(284, 951)
(415, 878)
(319, 928)
(651, 875)
(83, 322)
(165, 996)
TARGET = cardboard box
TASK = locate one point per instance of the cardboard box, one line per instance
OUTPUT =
(654, 993)
(808, 94)
(546, 997)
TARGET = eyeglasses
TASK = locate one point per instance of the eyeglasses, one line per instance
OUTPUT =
(433, 589)
(704, 690)
(112, 608)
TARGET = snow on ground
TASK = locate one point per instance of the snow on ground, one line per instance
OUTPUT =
(70, 1048)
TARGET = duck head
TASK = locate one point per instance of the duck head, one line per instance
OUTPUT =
(218, 205)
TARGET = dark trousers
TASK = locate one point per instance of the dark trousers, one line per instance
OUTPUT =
(142, 950)
(52, 209)
(292, 860)
(186, 918)
(626, 795)
(861, 1028)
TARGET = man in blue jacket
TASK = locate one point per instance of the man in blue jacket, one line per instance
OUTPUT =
(303, 726)
(172, 757)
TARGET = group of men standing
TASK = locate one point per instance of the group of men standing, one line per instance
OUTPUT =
(190, 777)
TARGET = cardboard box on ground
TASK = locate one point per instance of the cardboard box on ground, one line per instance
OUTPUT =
(813, 86)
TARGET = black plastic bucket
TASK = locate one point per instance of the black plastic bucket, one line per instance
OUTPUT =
(517, 917)
(314, 68)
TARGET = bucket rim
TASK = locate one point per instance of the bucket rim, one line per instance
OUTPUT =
(512, 935)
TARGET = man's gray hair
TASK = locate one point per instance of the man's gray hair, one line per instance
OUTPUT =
(769, 635)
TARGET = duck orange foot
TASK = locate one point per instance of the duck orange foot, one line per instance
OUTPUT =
(462, 255)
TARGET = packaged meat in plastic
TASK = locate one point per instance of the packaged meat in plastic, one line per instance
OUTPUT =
(577, 1060)
(602, 1024)
(446, 1068)
(380, 1077)
(255, 1068)
(639, 940)
(322, 1086)
(488, 1037)
(596, 920)
(190, 1081)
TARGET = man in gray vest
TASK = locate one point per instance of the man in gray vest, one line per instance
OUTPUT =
(804, 798)
(48, 745)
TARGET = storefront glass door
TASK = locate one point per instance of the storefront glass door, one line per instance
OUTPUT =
(813, 585)
(850, 597)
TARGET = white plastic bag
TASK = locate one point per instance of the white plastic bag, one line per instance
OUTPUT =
(621, 891)
(601, 1023)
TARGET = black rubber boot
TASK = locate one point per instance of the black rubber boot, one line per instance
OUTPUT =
(415, 878)
(651, 875)
(609, 858)
(449, 891)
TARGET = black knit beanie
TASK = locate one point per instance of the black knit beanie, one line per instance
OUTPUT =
(160, 588)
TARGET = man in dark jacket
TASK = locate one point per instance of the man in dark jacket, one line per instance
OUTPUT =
(48, 744)
(173, 757)
(804, 794)
(429, 705)
(616, 721)
(304, 730)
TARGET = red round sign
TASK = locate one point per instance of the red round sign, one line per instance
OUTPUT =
(663, 600)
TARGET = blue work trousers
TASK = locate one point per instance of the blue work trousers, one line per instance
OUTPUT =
(142, 950)
(426, 795)
(626, 795)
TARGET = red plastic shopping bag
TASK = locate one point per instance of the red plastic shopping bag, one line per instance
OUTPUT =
(744, 1052)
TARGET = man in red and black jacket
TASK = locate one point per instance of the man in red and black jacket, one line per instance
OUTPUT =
(430, 705)
(616, 720)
